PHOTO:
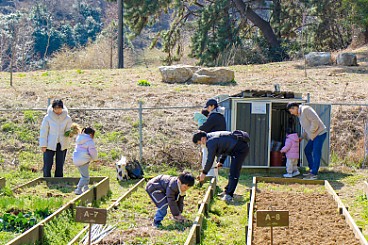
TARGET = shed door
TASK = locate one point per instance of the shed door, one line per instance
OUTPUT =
(324, 112)
(257, 123)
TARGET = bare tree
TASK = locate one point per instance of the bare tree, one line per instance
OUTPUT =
(16, 42)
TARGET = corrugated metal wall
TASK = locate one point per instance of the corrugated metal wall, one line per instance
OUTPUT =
(324, 112)
(257, 125)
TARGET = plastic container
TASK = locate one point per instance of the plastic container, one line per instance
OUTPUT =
(276, 159)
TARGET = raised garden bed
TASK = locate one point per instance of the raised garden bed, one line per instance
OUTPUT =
(66, 186)
(316, 214)
(2, 183)
(135, 217)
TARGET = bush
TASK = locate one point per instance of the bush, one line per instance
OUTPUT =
(144, 83)
(9, 127)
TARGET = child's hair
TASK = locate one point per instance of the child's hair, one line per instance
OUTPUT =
(88, 130)
(198, 136)
(205, 112)
(290, 131)
(57, 103)
(186, 178)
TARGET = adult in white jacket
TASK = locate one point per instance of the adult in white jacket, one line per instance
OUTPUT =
(52, 137)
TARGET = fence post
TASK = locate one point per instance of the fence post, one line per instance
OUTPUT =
(364, 164)
(140, 131)
(48, 102)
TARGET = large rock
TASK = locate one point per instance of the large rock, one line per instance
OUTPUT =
(318, 58)
(177, 73)
(346, 59)
(213, 75)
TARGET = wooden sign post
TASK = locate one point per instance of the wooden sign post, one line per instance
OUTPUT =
(91, 216)
(272, 218)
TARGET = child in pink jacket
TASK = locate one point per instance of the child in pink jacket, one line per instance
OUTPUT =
(291, 150)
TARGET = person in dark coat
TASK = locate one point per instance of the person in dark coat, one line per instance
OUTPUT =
(216, 120)
(169, 191)
(222, 144)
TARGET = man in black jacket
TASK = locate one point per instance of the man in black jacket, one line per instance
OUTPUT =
(221, 144)
(216, 120)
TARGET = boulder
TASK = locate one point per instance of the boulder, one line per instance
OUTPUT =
(318, 58)
(346, 59)
(213, 75)
(177, 73)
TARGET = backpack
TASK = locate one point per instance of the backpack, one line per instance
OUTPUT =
(241, 135)
(134, 170)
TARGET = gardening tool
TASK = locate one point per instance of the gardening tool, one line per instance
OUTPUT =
(98, 233)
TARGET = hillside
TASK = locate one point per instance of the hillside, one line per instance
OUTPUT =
(167, 133)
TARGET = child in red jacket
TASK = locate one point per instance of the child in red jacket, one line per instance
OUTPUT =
(291, 150)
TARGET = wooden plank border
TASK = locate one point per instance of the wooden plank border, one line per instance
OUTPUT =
(365, 187)
(349, 220)
(194, 236)
(2, 183)
(35, 233)
(110, 208)
(126, 194)
(249, 234)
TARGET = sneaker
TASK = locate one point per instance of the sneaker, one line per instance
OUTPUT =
(157, 224)
(221, 194)
(85, 188)
(307, 174)
(78, 191)
(227, 198)
(288, 175)
(311, 177)
(296, 173)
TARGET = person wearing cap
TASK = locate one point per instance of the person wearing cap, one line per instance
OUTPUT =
(222, 144)
(216, 120)
(315, 133)
(53, 140)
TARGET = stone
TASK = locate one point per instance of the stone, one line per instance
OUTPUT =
(318, 58)
(346, 59)
(213, 76)
(177, 73)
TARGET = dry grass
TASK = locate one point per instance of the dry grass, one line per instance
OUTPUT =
(171, 129)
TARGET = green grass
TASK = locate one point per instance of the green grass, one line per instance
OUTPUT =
(225, 223)
(61, 229)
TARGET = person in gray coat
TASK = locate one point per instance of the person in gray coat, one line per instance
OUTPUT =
(169, 191)
(52, 137)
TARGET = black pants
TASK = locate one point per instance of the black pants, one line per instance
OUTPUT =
(240, 152)
(48, 159)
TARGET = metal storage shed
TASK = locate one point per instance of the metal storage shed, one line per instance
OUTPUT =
(263, 115)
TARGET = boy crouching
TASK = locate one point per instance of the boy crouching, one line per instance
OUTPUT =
(169, 191)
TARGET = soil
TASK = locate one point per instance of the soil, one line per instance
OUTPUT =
(313, 216)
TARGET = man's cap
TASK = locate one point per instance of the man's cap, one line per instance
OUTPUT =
(211, 102)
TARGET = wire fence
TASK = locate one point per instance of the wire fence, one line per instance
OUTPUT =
(155, 135)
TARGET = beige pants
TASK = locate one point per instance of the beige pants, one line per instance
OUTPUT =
(291, 165)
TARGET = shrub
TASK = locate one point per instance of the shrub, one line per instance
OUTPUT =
(144, 83)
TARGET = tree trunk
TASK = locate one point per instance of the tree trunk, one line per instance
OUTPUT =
(264, 26)
(359, 37)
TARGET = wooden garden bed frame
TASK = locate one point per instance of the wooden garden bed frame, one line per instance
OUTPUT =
(36, 233)
(2, 182)
(342, 209)
(194, 236)
(114, 205)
